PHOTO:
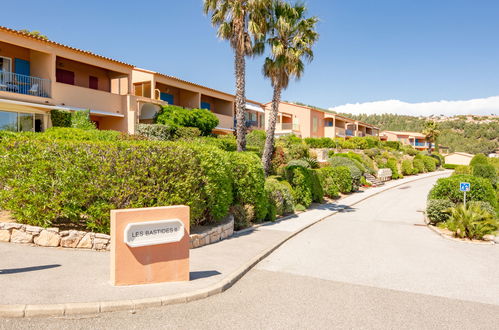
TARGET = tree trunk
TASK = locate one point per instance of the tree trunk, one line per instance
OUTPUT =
(240, 99)
(268, 151)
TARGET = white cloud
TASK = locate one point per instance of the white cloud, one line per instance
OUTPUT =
(485, 106)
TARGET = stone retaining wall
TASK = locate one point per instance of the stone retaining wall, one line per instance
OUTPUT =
(53, 237)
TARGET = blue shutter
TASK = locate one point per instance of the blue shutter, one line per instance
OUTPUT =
(22, 67)
(205, 105)
(166, 97)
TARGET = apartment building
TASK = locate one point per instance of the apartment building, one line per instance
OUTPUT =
(415, 139)
(304, 121)
(38, 75)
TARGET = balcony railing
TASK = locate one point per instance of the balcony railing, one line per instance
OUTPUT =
(19, 83)
(287, 127)
(247, 123)
(349, 132)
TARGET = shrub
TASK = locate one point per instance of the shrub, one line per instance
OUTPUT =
(407, 168)
(450, 166)
(409, 150)
(278, 158)
(418, 166)
(60, 118)
(357, 143)
(479, 159)
(312, 162)
(224, 142)
(486, 171)
(437, 210)
(243, 216)
(429, 164)
(297, 151)
(437, 159)
(355, 172)
(336, 177)
(301, 180)
(392, 144)
(288, 140)
(256, 138)
(248, 181)
(482, 205)
(320, 142)
(317, 191)
(299, 162)
(156, 131)
(75, 134)
(372, 142)
(280, 195)
(187, 133)
(448, 188)
(471, 222)
(462, 169)
(47, 182)
(173, 115)
(392, 165)
(81, 119)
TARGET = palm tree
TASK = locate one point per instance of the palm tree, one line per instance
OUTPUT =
(291, 37)
(243, 23)
(431, 133)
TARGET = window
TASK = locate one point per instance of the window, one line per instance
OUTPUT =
(65, 76)
(315, 124)
(205, 105)
(8, 121)
(166, 97)
(5, 64)
(93, 82)
(26, 122)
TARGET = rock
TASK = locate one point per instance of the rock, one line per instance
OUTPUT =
(100, 243)
(33, 229)
(86, 242)
(99, 235)
(11, 225)
(215, 237)
(71, 240)
(19, 236)
(53, 229)
(195, 243)
(488, 237)
(64, 233)
(4, 235)
(496, 239)
(47, 238)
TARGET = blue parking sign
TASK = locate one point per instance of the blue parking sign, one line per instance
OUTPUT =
(464, 186)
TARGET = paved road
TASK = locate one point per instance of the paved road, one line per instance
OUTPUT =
(371, 267)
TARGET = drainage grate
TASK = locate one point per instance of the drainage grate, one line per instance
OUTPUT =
(420, 224)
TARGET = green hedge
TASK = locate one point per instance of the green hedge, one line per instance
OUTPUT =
(407, 168)
(336, 179)
(320, 142)
(479, 159)
(48, 182)
(418, 165)
(437, 210)
(486, 171)
(430, 164)
(448, 188)
(280, 194)
(355, 172)
(173, 115)
(450, 166)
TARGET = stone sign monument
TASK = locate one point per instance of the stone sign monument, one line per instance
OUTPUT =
(150, 245)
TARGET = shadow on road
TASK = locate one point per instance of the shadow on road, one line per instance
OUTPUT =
(27, 269)
(202, 274)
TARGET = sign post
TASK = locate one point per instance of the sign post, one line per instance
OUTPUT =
(150, 245)
(464, 187)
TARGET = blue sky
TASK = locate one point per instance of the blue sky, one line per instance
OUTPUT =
(408, 50)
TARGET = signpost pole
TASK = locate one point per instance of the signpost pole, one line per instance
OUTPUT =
(464, 199)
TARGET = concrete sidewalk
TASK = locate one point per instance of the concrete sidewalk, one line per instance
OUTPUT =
(53, 281)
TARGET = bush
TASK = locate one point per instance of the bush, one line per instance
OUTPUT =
(312, 162)
(256, 138)
(355, 172)
(320, 142)
(156, 131)
(418, 166)
(392, 165)
(46, 182)
(448, 188)
(299, 162)
(336, 179)
(372, 142)
(357, 143)
(437, 159)
(297, 151)
(479, 159)
(407, 168)
(248, 182)
(173, 115)
(409, 150)
(224, 142)
(60, 118)
(471, 222)
(75, 134)
(392, 144)
(280, 195)
(462, 169)
(317, 191)
(372, 153)
(450, 166)
(243, 216)
(81, 119)
(486, 171)
(429, 164)
(187, 133)
(437, 210)
(278, 158)
(301, 180)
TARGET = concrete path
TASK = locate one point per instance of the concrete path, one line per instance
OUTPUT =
(34, 275)
(372, 267)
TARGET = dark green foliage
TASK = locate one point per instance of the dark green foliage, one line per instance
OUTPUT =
(336, 179)
(392, 144)
(299, 162)
(60, 118)
(297, 151)
(156, 131)
(479, 159)
(280, 195)
(450, 166)
(256, 138)
(486, 171)
(438, 159)
(418, 165)
(391, 163)
(173, 115)
(312, 162)
(407, 168)
(248, 181)
(66, 133)
(448, 188)
(320, 142)
(317, 191)
(81, 119)
(437, 210)
(355, 172)
(187, 133)
(372, 142)
(300, 179)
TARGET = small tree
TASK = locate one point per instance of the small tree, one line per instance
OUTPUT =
(431, 133)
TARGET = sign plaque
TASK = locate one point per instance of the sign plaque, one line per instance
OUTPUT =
(153, 232)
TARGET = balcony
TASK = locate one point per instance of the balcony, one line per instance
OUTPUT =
(21, 84)
(287, 127)
(225, 121)
(420, 144)
(248, 123)
(349, 132)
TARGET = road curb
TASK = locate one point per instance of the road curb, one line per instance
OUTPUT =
(435, 230)
(20, 310)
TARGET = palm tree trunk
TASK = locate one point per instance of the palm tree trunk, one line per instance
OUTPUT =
(268, 151)
(240, 99)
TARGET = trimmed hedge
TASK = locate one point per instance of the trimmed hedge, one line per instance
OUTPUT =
(418, 166)
(407, 168)
(320, 142)
(479, 159)
(450, 166)
(45, 182)
(336, 179)
(486, 171)
(436, 210)
(462, 169)
(430, 164)
(300, 179)
(448, 188)
(280, 195)
(173, 115)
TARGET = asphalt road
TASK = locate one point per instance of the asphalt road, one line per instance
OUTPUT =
(373, 267)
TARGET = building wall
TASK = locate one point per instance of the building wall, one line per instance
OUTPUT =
(458, 159)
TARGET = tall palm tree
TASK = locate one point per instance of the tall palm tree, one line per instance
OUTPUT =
(431, 133)
(291, 37)
(243, 23)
